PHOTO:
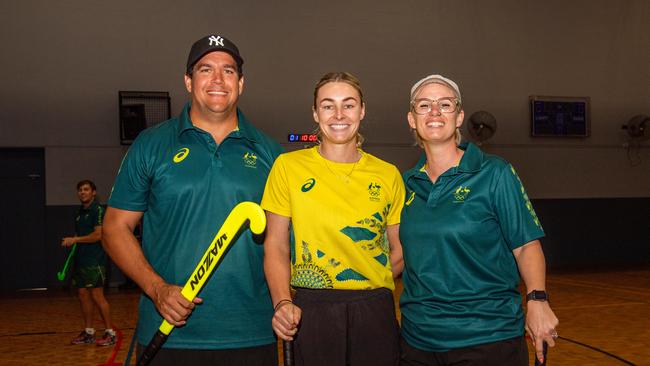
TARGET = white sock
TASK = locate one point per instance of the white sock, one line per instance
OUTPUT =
(110, 331)
(90, 331)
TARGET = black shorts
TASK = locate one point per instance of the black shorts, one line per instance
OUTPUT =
(346, 327)
(511, 352)
(266, 355)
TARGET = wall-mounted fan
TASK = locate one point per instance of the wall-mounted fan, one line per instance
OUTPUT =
(638, 127)
(481, 126)
(638, 130)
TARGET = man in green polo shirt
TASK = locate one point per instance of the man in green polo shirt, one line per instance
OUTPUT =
(182, 178)
(89, 266)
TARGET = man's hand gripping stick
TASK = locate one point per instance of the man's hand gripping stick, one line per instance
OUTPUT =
(244, 211)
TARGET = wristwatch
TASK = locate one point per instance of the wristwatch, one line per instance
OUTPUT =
(537, 295)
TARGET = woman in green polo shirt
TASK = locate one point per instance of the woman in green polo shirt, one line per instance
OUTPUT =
(468, 232)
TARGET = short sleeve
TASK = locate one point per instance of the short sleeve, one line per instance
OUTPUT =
(132, 184)
(276, 198)
(518, 220)
(397, 201)
(99, 216)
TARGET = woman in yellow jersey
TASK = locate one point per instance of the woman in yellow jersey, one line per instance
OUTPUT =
(340, 203)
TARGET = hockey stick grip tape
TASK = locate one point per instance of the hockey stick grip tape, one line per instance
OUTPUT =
(152, 348)
(287, 353)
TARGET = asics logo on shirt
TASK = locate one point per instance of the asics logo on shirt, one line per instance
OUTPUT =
(410, 198)
(309, 184)
(181, 155)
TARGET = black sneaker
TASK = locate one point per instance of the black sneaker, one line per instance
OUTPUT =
(107, 340)
(84, 338)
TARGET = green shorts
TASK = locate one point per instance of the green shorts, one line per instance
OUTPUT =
(88, 277)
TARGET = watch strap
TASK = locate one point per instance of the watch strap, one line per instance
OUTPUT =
(537, 295)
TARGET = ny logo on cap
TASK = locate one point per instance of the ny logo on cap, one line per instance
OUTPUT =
(218, 41)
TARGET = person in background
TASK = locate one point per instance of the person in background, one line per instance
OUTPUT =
(89, 265)
(469, 234)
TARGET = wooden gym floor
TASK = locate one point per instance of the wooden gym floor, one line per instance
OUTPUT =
(604, 320)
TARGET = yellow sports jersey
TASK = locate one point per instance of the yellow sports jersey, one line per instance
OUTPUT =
(339, 213)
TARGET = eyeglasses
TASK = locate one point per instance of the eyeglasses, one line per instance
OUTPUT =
(445, 105)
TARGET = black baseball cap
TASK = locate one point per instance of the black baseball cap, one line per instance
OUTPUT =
(209, 44)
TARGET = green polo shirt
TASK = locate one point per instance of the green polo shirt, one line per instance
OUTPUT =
(186, 185)
(89, 254)
(460, 277)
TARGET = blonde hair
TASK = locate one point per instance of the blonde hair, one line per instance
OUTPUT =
(339, 77)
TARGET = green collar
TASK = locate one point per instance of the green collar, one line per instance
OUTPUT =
(472, 159)
(90, 206)
(244, 127)
(470, 163)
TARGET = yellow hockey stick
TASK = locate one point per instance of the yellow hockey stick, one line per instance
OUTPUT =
(245, 211)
